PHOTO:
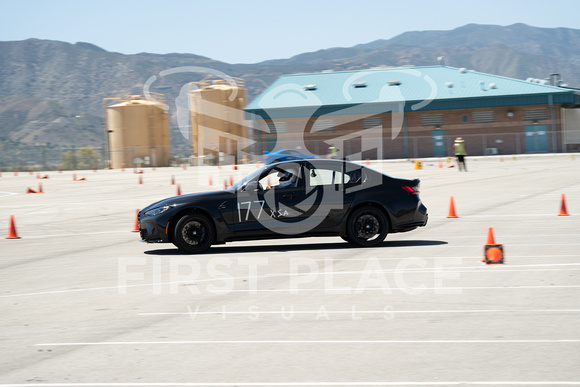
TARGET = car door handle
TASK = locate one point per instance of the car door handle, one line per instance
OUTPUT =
(289, 195)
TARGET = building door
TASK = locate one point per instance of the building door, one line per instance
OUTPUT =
(536, 138)
(438, 143)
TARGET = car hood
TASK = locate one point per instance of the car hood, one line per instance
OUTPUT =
(190, 198)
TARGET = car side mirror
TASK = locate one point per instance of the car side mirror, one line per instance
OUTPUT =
(251, 186)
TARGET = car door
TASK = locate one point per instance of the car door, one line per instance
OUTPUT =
(270, 206)
(335, 185)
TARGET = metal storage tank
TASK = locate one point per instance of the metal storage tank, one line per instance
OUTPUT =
(137, 133)
(218, 128)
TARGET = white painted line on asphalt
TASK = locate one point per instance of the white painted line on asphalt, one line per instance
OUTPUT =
(463, 258)
(202, 342)
(298, 384)
(3, 194)
(356, 290)
(362, 290)
(217, 291)
(276, 384)
(75, 234)
(506, 215)
(355, 312)
(472, 269)
(504, 235)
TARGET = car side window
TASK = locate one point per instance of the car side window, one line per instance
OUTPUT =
(281, 178)
(320, 176)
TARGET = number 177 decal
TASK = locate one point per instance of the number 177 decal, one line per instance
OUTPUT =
(249, 204)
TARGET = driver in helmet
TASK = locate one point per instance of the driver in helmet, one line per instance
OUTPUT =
(287, 179)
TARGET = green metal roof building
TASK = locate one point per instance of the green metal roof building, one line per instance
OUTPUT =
(415, 112)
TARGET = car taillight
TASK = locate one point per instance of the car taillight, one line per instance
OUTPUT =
(411, 190)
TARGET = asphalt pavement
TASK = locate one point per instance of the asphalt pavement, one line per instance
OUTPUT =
(84, 303)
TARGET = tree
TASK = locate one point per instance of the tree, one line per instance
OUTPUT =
(69, 160)
(84, 158)
(88, 157)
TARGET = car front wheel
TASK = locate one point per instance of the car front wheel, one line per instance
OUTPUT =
(367, 226)
(193, 234)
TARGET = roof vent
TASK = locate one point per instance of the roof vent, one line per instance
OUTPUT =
(482, 85)
(449, 84)
(463, 70)
(310, 87)
(492, 86)
(394, 82)
(359, 84)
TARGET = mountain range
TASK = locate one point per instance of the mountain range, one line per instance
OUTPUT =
(51, 92)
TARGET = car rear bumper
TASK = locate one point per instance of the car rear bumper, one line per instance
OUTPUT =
(419, 219)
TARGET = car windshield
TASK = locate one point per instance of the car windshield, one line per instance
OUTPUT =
(253, 176)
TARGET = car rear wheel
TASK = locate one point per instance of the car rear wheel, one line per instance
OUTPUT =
(193, 233)
(367, 226)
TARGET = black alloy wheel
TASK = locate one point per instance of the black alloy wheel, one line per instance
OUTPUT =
(193, 233)
(367, 226)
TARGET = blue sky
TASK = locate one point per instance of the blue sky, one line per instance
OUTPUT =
(252, 31)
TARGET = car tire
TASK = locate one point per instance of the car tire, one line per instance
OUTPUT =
(367, 226)
(193, 233)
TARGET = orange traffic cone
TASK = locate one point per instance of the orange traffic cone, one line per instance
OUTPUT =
(210, 181)
(172, 180)
(231, 180)
(492, 252)
(368, 162)
(440, 163)
(234, 167)
(12, 232)
(136, 228)
(40, 188)
(451, 209)
(178, 189)
(490, 238)
(225, 184)
(140, 179)
(563, 210)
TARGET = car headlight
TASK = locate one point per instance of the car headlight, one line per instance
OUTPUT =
(157, 210)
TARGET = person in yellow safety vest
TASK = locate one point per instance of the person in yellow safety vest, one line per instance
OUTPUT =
(332, 152)
(460, 152)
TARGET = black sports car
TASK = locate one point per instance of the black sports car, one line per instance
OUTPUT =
(290, 199)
